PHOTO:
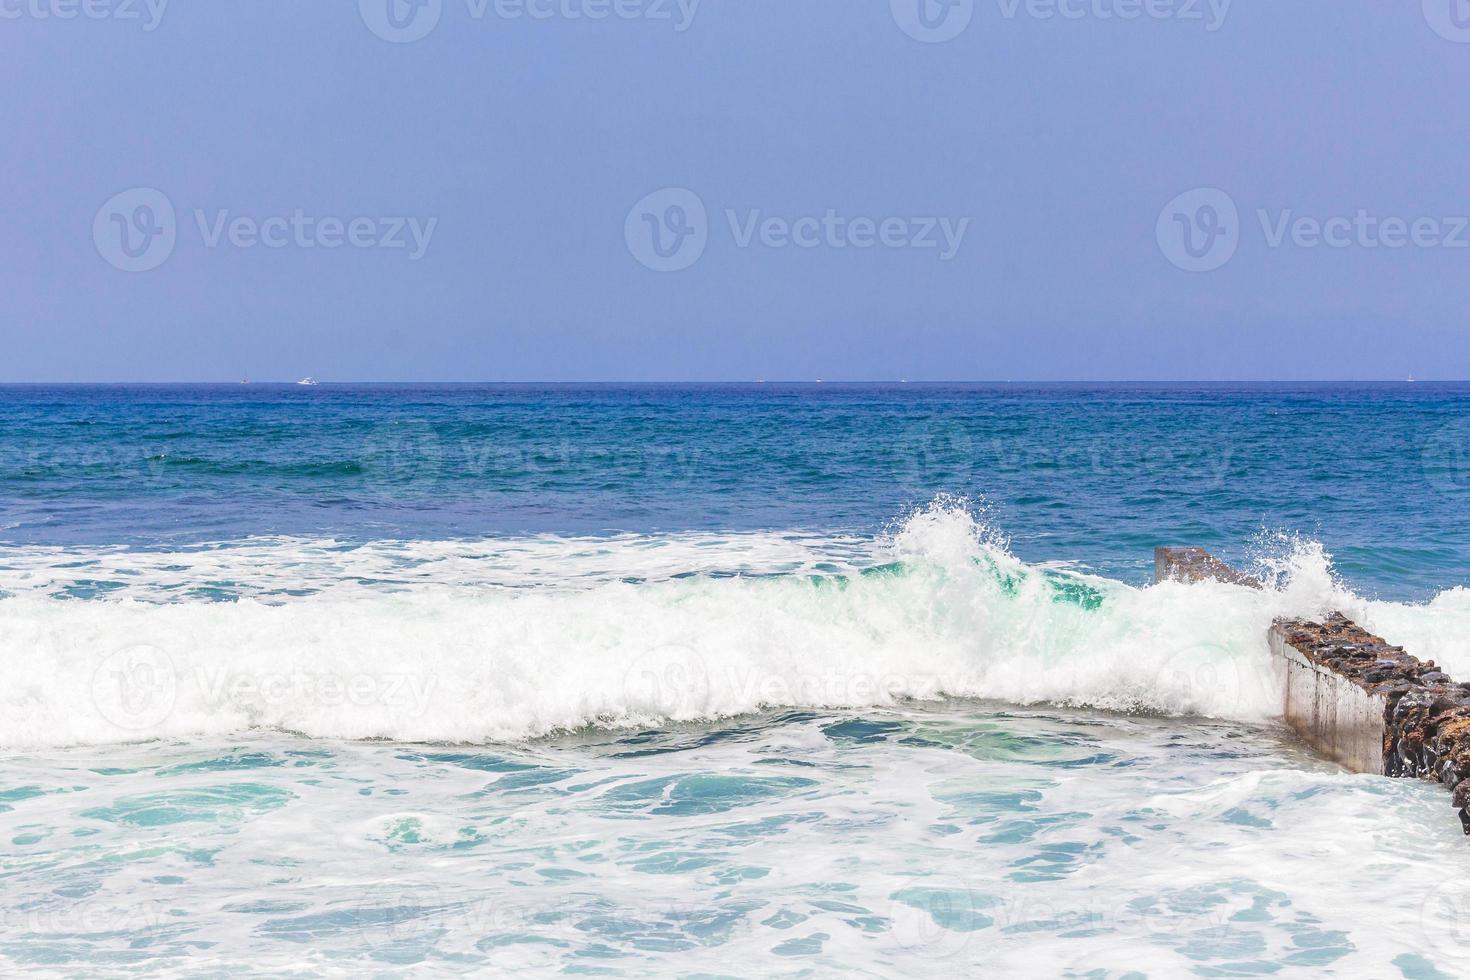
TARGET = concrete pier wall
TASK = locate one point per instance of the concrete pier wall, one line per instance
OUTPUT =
(1356, 698)
(1336, 716)
(1424, 727)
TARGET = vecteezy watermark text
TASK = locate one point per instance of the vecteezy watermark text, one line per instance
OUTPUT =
(1200, 230)
(1211, 13)
(832, 230)
(1363, 230)
(405, 21)
(399, 456)
(222, 687)
(937, 21)
(148, 13)
(138, 229)
(137, 688)
(302, 230)
(669, 230)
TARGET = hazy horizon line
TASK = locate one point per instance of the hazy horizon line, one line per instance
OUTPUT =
(750, 382)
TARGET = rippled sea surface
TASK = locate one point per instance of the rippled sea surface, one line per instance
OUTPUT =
(704, 681)
(1380, 473)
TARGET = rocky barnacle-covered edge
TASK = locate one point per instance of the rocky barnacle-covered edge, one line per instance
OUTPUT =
(1426, 723)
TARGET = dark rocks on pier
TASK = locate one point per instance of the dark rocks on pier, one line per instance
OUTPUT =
(1426, 723)
(1426, 715)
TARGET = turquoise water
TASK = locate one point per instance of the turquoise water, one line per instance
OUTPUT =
(698, 681)
(968, 838)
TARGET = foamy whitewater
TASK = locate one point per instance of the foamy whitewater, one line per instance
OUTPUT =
(696, 751)
(450, 642)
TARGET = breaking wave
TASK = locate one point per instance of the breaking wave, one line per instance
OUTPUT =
(514, 639)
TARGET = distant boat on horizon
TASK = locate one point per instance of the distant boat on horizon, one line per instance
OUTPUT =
(307, 381)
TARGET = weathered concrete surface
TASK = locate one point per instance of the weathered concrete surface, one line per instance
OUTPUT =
(1424, 727)
(1356, 698)
(1196, 565)
(1338, 716)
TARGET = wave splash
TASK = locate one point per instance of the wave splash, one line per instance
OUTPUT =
(938, 608)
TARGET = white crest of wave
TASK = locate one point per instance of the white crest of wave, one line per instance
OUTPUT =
(1438, 630)
(938, 608)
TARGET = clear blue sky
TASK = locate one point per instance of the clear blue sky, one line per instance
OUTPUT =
(520, 145)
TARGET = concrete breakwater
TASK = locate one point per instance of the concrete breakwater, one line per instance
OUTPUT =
(1356, 698)
(1196, 565)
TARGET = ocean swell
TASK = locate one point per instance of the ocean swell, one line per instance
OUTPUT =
(636, 631)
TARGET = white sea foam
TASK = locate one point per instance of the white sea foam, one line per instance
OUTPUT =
(279, 567)
(931, 840)
(435, 641)
(1437, 630)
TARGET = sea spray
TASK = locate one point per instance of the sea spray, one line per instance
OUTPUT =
(938, 608)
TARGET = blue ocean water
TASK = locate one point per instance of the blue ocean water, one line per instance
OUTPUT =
(1380, 473)
(712, 680)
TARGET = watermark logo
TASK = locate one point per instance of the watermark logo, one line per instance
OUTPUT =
(1204, 679)
(88, 917)
(1199, 465)
(406, 21)
(1450, 19)
(124, 462)
(136, 230)
(936, 919)
(670, 681)
(938, 454)
(301, 230)
(134, 689)
(838, 231)
(1363, 230)
(1199, 230)
(667, 231)
(149, 13)
(680, 13)
(932, 21)
(399, 453)
(1446, 458)
(403, 915)
(137, 688)
(1444, 918)
(401, 21)
(1211, 13)
(217, 687)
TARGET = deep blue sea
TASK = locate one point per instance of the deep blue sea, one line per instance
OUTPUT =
(1379, 473)
(704, 680)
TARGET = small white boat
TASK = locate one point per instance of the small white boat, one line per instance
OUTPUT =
(307, 381)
